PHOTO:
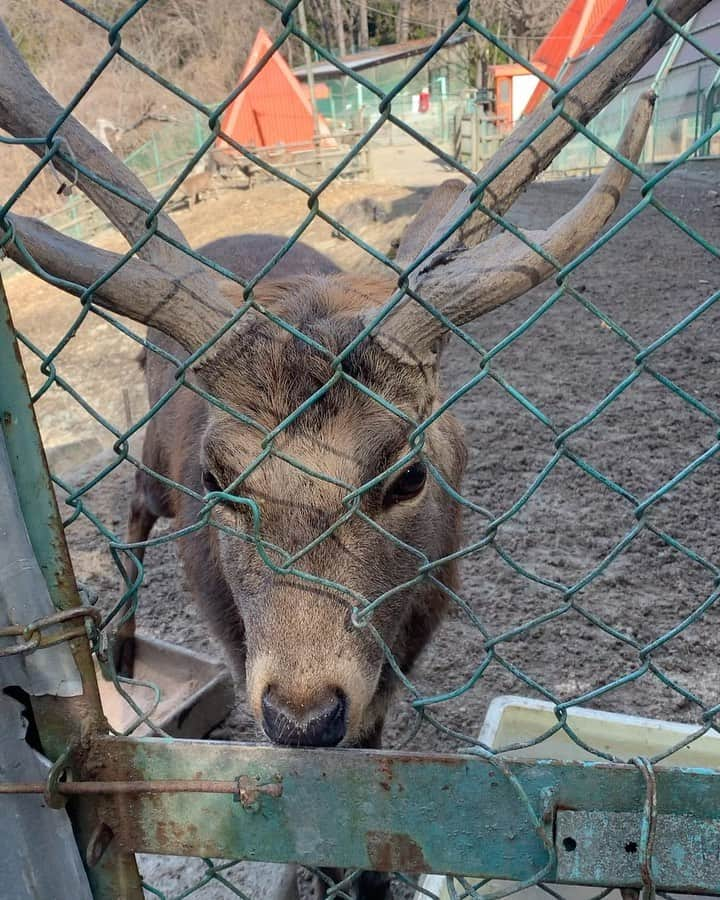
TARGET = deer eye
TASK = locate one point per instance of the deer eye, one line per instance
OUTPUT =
(407, 485)
(210, 482)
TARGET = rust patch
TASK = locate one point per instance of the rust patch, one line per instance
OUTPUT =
(386, 774)
(389, 851)
(250, 789)
(160, 833)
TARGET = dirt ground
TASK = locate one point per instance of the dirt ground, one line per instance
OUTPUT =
(649, 277)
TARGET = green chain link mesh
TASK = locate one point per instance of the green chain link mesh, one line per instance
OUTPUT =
(492, 649)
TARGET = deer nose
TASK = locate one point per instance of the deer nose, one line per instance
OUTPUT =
(323, 725)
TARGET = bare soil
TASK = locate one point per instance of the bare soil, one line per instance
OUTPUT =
(646, 279)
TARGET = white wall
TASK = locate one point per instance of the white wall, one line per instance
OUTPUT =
(522, 88)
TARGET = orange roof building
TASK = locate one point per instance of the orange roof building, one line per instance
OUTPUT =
(274, 108)
(580, 27)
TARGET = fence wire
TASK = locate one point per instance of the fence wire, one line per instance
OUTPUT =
(639, 362)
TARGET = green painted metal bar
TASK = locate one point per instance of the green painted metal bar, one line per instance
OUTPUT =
(408, 811)
(62, 721)
(603, 848)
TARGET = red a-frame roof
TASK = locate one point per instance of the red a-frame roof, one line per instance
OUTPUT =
(582, 25)
(274, 108)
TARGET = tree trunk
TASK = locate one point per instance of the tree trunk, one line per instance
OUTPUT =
(363, 33)
(339, 27)
(308, 67)
(402, 24)
(320, 11)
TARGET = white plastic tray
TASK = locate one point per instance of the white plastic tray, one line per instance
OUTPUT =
(514, 720)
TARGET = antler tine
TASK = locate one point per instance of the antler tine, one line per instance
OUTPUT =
(475, 281)
(417, 235)
(178, 305)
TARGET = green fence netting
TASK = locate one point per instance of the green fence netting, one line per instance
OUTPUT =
(567, 445)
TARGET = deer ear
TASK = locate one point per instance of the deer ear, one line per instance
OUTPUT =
(419, 231)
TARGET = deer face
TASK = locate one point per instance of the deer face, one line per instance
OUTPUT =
(314, 677)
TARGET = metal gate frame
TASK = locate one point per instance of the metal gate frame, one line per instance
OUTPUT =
(577, 823)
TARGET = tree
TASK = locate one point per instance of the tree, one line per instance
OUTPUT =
(402, 22)
(363, 33)
(339, 22)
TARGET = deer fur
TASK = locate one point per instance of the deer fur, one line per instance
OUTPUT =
(347, 435)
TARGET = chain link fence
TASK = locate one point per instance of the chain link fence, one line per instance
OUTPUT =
(566, 445)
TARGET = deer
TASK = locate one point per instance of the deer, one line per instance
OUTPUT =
(194, 186)
(199, 182)
(227, 164)
(327, 558)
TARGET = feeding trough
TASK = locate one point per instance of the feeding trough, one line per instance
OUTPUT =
(196, 692)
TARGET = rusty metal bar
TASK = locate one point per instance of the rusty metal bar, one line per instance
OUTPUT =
(83, 788)
(62, 721)
(407, 812)
(34, 638)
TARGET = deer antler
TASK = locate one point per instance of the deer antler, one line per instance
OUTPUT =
(178, 305)
(604, 81)
(189, 304)
(165, 288)
(472, 282)
(463, 280)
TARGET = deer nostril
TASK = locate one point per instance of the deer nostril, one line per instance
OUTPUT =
(324, 725)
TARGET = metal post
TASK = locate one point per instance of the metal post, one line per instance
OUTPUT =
(40, 841)
(64, 722)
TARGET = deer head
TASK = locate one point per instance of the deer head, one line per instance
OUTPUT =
(336, 492)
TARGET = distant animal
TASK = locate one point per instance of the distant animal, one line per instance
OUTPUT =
(227, 165)
(196, 187)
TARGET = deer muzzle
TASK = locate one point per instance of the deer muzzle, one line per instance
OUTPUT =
(323, 724)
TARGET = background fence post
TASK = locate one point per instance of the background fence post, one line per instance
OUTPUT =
(474, 140)
(158, 164)
(63, 723)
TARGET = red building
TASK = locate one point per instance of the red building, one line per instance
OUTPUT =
(582, 25)
(274, 109)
